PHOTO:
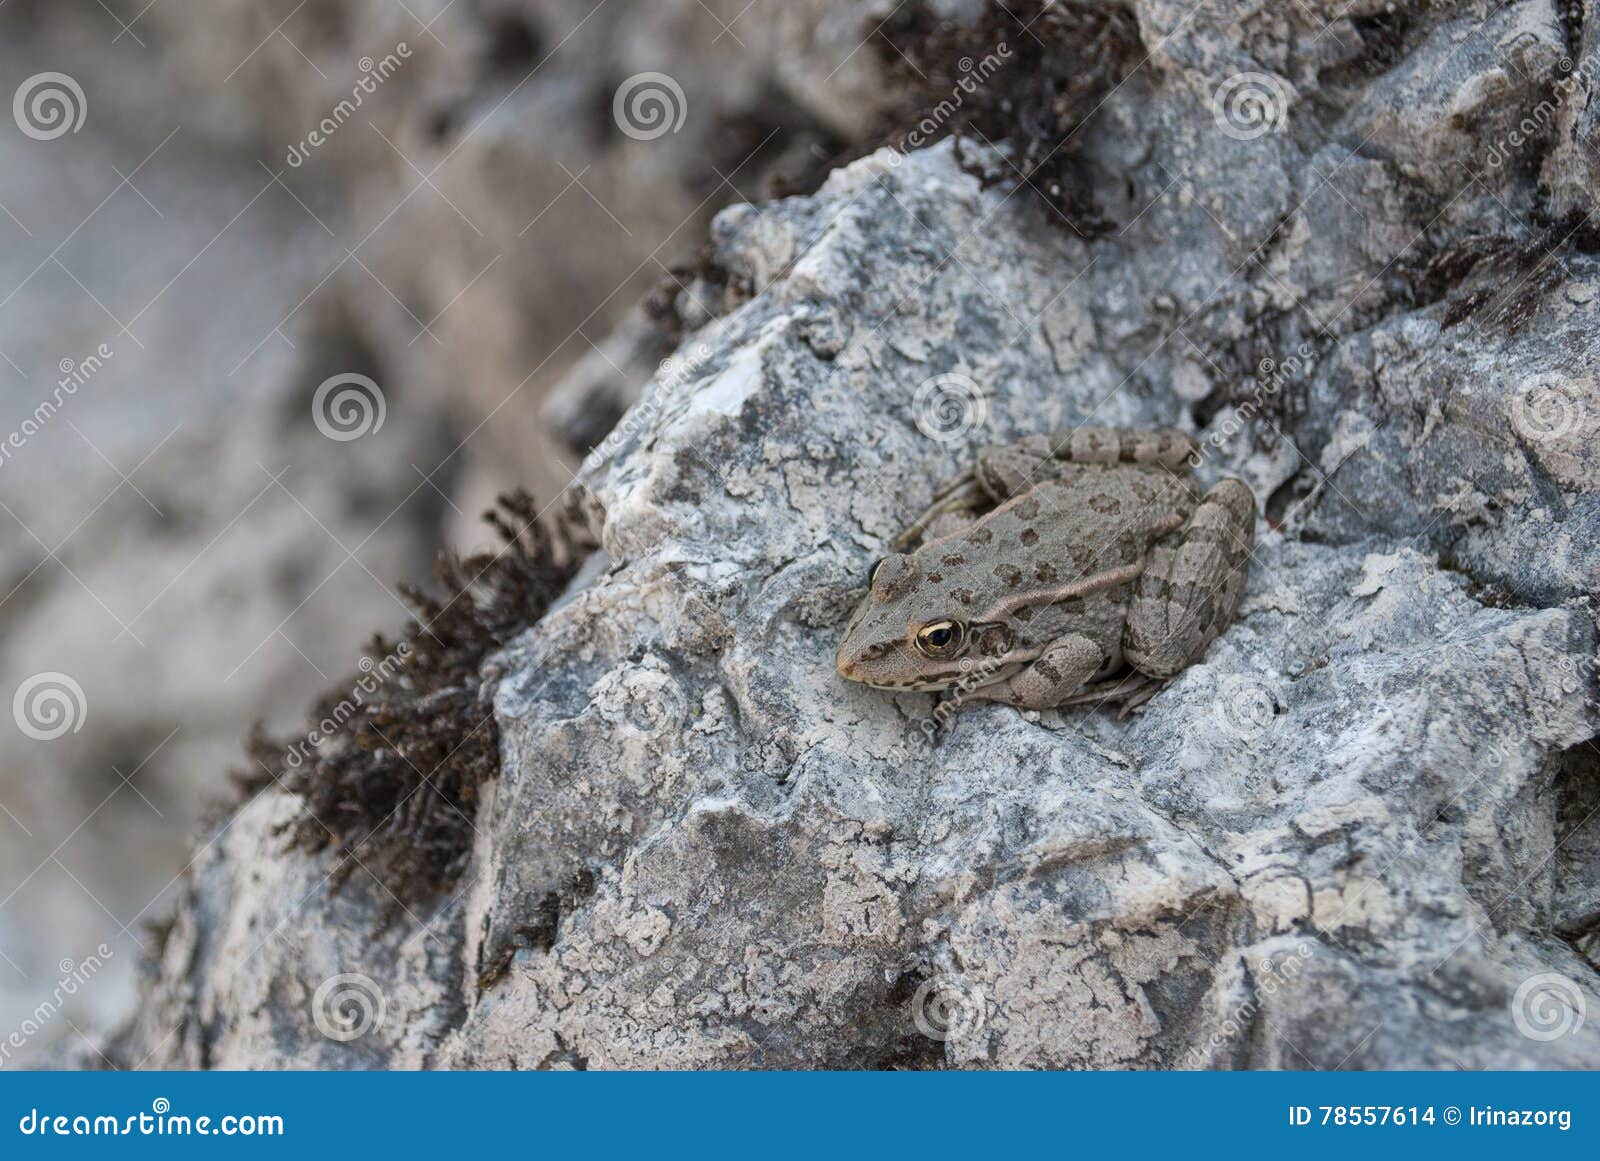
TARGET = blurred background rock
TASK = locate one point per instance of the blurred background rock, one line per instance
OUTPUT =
(179, 537)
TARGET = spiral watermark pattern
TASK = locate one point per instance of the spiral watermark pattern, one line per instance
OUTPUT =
(649, 105)
(49, 105)
(1251, 105)
(947, 1008)
(347, 407)
(1247, 704)
(49, 705)
(347, 1006)
(949, 406)
(1545, 409)
(655, 707)
(1547, 1007)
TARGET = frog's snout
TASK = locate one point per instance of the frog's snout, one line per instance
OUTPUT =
(844, 660)
(867, 664)
(851, 659)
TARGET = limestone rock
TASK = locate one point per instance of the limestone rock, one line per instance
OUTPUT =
(1329, 844)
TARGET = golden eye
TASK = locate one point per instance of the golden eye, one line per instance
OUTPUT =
(872, 573)
(941, 638)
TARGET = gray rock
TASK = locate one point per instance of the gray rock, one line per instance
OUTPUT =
(1489, 425)
(1333, 843)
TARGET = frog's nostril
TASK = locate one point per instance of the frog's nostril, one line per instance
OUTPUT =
(856, 663)
(844, 662)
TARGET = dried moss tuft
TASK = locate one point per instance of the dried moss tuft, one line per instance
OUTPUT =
(390, 776)
(1064, 59)
(1519, 273)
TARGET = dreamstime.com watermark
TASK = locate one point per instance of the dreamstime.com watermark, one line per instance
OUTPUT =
(1272, 375)
(921, 740)
(160, 1121)
(1548, 1006)
(1271, 974)
(948, 407)
(1247, 705)
(348, 1006)
(348, 406)
(75, 373)
(73, 977)
(649, 105)
(974, 676)
(948, 1008)
(374, 674)
(974, 74)
(1546, 408)
(1249, 105)
(1536, 125)
(673, 372)
(49, 705)
(374, 73)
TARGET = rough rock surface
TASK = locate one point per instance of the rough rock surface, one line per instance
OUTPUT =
(1359, 834)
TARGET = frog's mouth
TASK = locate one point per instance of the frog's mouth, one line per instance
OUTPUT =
(916, 684)
(894, 665)
(965, 678)
(875, 668)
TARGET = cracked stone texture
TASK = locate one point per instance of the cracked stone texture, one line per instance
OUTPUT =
(1348, 838)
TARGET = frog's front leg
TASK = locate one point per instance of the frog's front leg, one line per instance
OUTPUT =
(1055, 675)
(1192, 584)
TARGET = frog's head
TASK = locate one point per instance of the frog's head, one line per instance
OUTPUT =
(905, 635)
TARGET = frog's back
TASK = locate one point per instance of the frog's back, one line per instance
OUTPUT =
(1088, 511)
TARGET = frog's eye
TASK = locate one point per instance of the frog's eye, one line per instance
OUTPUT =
(872, 573)
(941, 638)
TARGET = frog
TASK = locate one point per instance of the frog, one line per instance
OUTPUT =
(1086, 566)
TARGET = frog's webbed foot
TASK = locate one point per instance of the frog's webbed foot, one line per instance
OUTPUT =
(1131, 690)
(1192, 585)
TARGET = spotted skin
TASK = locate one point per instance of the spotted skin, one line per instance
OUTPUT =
(1057, 570)
(1192, 584)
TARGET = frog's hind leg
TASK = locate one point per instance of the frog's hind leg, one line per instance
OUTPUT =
(1009, 470)
(1002, 471)
(1165, 447)
(1192, 583)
